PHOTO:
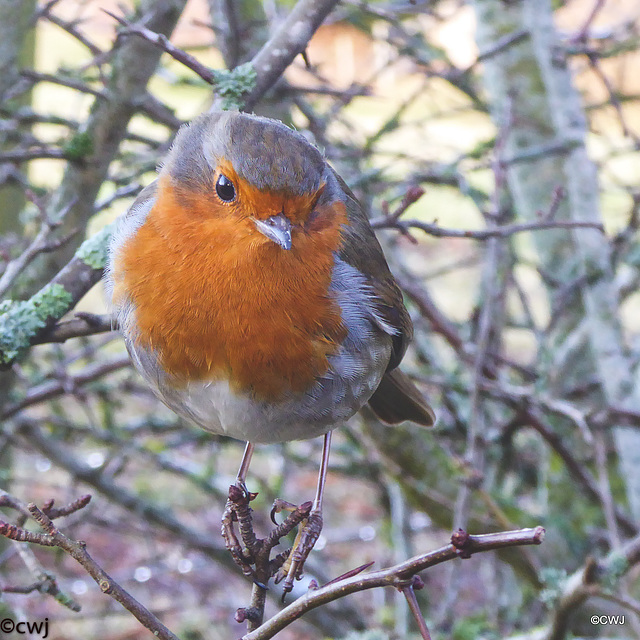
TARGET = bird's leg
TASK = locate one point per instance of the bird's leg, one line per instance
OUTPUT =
(309, 529)
(237, 509)
(244, 466)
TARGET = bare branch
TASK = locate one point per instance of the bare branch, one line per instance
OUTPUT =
(72, 83)
(504, 231)
(70, 28)
(77, 550)
(21, 155)
(41, 244)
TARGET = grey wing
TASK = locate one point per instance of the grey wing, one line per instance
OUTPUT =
(360, 248)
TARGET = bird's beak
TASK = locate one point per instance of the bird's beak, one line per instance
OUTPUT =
(276, 228)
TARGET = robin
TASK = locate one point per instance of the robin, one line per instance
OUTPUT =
(254, 297)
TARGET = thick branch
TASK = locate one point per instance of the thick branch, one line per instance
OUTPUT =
(289, 40)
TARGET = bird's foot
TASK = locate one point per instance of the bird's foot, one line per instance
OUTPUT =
(308, 535)
(251, 554)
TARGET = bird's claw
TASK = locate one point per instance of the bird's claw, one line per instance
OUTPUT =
(279, 506)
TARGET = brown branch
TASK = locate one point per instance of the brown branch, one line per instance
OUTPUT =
(128, 190)
(409, 593)
(59, 512)
(613, 98)
(10, 501)
(442, 325)
(356, 90)
(35, 586)
(395, 576)
(159, 112)
(583, 34)
(46, 582)
(84, 324)
(61, 455)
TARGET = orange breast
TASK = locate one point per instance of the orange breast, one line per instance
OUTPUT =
(216, 300)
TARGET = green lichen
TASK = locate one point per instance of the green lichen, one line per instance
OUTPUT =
(21, 320)
(79, 147)
(65, 600)
(94, 250)
(617, 566)
(554, 581)
(233, 85)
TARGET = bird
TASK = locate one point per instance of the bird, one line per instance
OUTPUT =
(254, 297)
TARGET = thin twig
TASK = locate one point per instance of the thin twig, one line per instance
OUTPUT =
(412, 601)
(71, 29)
(22, 155)
(71, 83)
(161, 41)
(503, 231)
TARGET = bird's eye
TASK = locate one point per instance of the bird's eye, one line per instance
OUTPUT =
(225, 189)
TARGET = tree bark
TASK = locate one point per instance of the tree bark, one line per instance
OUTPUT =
(545, 149)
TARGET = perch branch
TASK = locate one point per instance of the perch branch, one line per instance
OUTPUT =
(395, 576)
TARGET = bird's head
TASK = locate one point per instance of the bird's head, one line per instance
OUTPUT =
(251, 174)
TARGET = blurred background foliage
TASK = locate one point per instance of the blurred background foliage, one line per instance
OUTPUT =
(527, 344)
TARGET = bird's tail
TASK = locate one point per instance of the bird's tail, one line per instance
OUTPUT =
(397, 399)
